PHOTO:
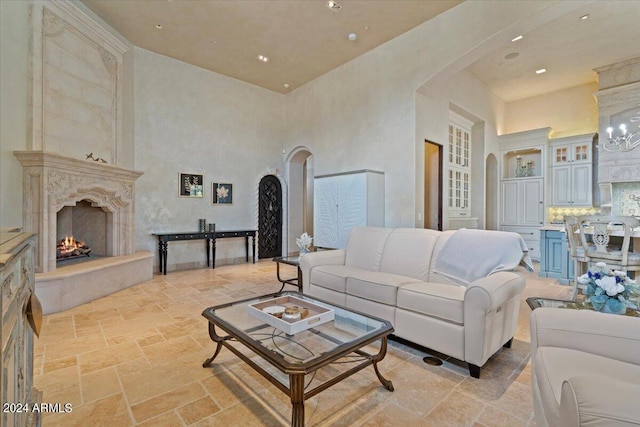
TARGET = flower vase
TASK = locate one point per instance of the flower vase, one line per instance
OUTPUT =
(304, 250)
(607, 309)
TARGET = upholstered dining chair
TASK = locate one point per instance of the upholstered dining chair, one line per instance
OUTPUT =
(601, 228)
(576, 251)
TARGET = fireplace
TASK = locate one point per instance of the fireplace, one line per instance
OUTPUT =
(81, 232)
(94, 202)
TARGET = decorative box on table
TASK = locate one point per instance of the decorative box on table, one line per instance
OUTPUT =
(316, 315)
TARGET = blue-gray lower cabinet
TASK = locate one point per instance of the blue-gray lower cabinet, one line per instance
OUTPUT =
(554, 256)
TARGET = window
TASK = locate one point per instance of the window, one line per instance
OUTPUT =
(459, 166)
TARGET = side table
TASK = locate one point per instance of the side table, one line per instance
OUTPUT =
(289, 260)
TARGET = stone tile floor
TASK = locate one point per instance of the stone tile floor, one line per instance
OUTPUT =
(135, 358)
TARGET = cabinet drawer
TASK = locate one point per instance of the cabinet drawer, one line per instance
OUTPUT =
(531, 236)
(525, 232)
(11, 280)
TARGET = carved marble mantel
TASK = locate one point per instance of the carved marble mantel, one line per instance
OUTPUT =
(52, 181)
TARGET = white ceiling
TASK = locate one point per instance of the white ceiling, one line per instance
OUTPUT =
(304, 39)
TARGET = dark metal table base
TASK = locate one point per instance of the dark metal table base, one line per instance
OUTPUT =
(296, 390)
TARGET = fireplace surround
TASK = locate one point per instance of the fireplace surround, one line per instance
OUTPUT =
(52, 182)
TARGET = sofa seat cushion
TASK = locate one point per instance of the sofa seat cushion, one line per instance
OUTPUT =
(554, 365)
(376, 286)
(332, 277)
(433, 299)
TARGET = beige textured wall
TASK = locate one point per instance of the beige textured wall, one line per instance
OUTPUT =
(14, 48)
(195, 121)
(568, 112)
(362, 115)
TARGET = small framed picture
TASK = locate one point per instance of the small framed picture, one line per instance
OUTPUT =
(191, 185)
(221, 194)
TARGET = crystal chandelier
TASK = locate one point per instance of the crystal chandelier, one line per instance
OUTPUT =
(627, 141)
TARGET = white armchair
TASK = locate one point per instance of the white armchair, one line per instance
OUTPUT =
(585, 368)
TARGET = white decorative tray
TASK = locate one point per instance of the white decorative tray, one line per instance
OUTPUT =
(315, 316)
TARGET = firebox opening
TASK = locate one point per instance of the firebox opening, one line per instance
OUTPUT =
(87, 226)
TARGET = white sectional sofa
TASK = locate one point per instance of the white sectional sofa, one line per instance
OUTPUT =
(453, 291)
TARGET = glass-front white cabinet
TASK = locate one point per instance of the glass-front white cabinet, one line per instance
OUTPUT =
(459, 167)
(572, 171)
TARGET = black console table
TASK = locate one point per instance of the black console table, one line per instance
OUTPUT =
(210, 244)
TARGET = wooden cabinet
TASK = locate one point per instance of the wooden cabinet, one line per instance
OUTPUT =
(574, 149)
(523, 210)
(571, 185)
(572, 171)
(343, 201)
(16, 363)
(523, 202)
(554, 256)
(459, 167)
(522, 187)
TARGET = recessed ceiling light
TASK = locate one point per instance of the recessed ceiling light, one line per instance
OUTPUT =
(541, 70)
(263, 58)
(333, 5)
(584, 17)
(158, 26)
(352, 37)
(515, 39)
(286, 85)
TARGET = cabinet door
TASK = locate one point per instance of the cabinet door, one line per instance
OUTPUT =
(561, 155)
(510, 202)
(561, 185)
(325, 212)
(352, 205)
(532, 202)
(581, 152)
(581, 185)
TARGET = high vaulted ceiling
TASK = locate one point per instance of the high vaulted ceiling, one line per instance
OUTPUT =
(305, 39)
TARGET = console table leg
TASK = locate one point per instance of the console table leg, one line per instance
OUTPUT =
(207, 248)
(253, 247)
(296, 383)
(213, 252)
(246, 249)
(162, 251)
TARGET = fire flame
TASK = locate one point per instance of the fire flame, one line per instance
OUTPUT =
(69, 246)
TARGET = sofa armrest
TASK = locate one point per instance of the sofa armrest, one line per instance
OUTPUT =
(596, 400)
(491, 308)
(608, 335)
(315, 259)
(491, 292)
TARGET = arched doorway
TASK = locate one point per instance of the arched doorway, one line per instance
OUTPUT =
(269, 217)
(300, 176)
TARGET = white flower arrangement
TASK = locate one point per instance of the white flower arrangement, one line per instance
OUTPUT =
(304, 243)
(609, 290)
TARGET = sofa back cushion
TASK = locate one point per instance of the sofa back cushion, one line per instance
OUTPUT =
(433, 276)
(408, 252)
(364, 247)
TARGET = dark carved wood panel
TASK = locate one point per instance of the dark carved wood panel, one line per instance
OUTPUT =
(270, 218)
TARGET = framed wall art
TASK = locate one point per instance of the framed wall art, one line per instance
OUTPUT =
(191, 185)
(221, 194)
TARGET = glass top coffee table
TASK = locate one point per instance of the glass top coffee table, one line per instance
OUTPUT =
(537, 302)
(295, 357)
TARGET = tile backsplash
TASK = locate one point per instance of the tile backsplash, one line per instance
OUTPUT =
(625, 198)
(555, 214)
